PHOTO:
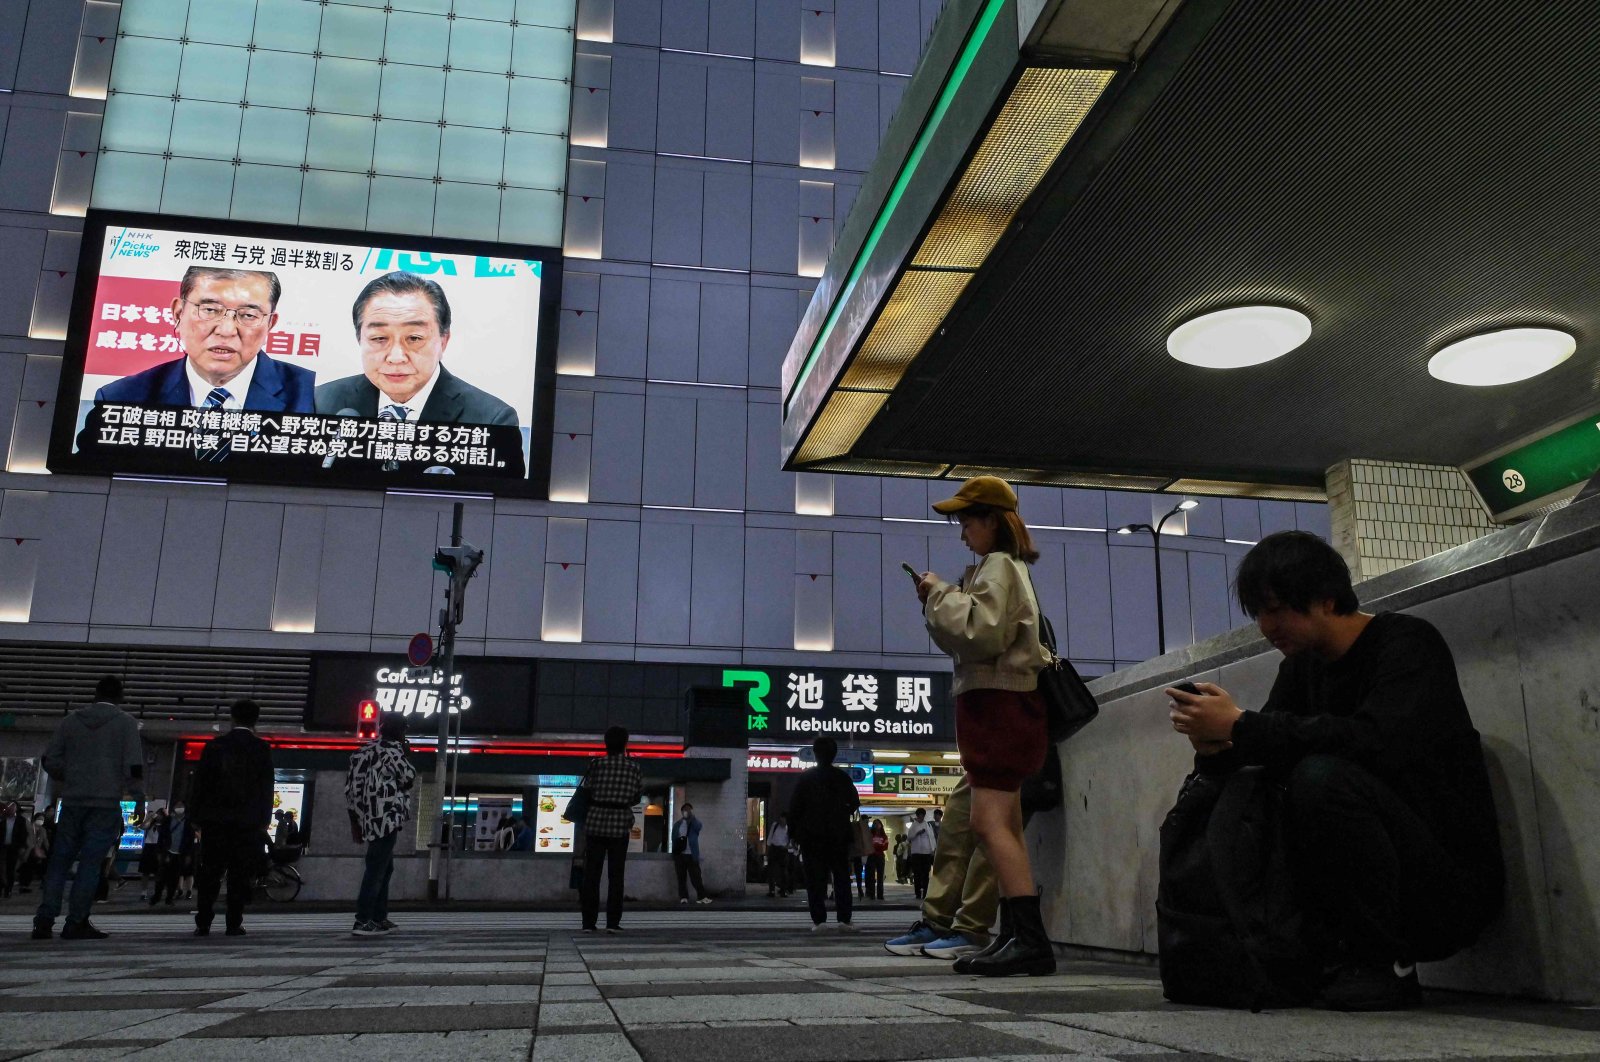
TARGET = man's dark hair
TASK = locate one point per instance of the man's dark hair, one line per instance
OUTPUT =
(1295, 569)
(402, 283)
(616, 740)
(392, 726)
(688, 806)
(244, 711)
(826, 749)
(108, 689)
(196, 273)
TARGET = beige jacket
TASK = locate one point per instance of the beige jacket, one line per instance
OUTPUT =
(989, 625)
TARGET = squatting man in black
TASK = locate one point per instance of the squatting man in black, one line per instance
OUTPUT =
(1393, 844)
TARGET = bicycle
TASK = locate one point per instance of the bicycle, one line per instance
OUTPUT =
(281, 881)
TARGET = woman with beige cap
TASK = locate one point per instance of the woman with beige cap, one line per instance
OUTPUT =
(989, 624)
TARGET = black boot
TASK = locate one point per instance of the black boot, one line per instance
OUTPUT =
(1001, 939)
(1029, 952)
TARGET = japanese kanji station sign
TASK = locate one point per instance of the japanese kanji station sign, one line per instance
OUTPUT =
(803, 703)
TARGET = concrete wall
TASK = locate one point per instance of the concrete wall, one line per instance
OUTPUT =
(1524, 648)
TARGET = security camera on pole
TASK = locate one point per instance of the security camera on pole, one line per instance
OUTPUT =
(460, 562)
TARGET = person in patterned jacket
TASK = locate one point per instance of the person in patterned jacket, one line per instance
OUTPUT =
(615, 786)
(377, 792)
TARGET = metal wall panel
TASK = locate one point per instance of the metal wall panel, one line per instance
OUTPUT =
(679, 199)
(517, 590)
(618, 448)
(669, 450)
(191, 549)
(345, 598)
(725, 236)
(622, 337)
(674, 329)
(247, 575)
(716, 607)
(611, 583)
(130, 558)
(666, 557)
(725, 331)
(719, 453)
(857, 611)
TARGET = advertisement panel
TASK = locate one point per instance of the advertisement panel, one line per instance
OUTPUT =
(493, 696)
(241, 351)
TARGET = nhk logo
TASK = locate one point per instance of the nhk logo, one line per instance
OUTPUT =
(760, 685)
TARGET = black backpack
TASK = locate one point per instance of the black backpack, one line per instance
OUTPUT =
(1232, 932)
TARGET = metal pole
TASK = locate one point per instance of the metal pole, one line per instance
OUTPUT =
(455, 779)
(447, 646)
(1161, 609)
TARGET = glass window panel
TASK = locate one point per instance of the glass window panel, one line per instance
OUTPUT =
(205, 130)
(475, 99)
(363, 3)
(408, 149)
(468, 210)
(500, 10)
(401, 204)
(530, 215)
(539, 106)
(433, 7)
(221, 21)
(412, 92)
(559, 13)
(349, 86)
(536, 160)
(267, 193)
(144, 65)
(340, 142)
(213, 72)
(288, 25)
(353, 32)
(543, 52)
(197, 186)
(469, 154)
(280, 79)
(154, 18)
(337, 200)
(269, 134)
(126, 181)
(137, 123)
(420, 39)
(478, 45)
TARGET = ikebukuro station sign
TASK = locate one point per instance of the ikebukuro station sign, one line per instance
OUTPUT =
(805, 703)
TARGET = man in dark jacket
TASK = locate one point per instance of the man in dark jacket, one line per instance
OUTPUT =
(232, 809)
(819, 816)
(1395, 846)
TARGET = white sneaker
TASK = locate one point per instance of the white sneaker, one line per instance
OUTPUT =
(822, 927)
(703, 899)
(847, 927)
(683, 899)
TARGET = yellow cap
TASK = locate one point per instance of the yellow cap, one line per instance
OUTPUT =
(980, 490)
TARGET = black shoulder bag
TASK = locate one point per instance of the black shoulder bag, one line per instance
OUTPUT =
(578, 802)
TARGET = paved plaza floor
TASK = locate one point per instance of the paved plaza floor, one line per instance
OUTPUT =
(699, 985)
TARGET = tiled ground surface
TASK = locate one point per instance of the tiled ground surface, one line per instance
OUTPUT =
(679, 986)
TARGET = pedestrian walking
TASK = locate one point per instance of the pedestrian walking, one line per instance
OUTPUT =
(175, 851)
(96, 756)
(902, 859)
(875, 859)
(686, 856)
(231, 806)
(377, 790)
(824, 800)
(921, 843)
(37, 856)
(13, 845)
(989, 625)
(778, 861)
(615, 786)
(150, 853)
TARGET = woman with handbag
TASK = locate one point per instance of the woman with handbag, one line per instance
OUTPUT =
(989, 624)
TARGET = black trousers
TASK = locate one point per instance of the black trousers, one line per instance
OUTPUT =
(612, 854)
(240, 853)
(875, 876)
(1374, 873)
(688, 868)
(173, 865)
(779, 871)
(921, 864)
(821, 866)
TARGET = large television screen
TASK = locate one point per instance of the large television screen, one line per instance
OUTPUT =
(218, 349)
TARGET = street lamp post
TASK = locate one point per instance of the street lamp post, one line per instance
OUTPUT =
(1155, 534)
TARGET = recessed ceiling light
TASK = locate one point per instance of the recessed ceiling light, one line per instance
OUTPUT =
(1245, 335)
(1502, 357)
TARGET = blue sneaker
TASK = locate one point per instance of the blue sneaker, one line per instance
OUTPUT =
(954, 946)
(911, 942)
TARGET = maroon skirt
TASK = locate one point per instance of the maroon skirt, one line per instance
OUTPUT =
(1001, 735)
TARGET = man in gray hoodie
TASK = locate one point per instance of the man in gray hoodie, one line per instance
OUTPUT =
(94, 756)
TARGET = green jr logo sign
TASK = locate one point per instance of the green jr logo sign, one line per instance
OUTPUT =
(760, 685)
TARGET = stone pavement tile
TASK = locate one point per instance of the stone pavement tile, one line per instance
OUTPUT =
(395, 996)
(438, 968)
(253, 1000)
(717, 988)
(703, 975)
(556, 1015)
(138, 985)
(583, 1047)
(1282, 1036)
(565, 967)
(1073, 1000)
(920, 1019)
(499, 1045)
(861, 1040)
(945, 1005)
(430, 977)
(169, 1027)
(346, 1020)
(568, 979)
(189, 971)
(1549, 1014)
(569, 994)
(19, 1030)
(1075, 1041)
(737, 1008)
(56, 1004)
(678, 960)
(78, 1054)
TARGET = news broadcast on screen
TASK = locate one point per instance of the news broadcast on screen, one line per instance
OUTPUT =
(221, 350)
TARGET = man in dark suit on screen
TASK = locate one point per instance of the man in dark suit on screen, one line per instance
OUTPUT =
(232, 806)
(402, 322)
(222, 319)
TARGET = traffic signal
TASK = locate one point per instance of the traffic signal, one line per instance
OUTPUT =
(460, 563)
(367, 720)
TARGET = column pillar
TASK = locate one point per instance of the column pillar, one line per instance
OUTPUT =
(1387, 514)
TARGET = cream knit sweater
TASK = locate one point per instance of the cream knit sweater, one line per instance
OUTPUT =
(989, 625)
